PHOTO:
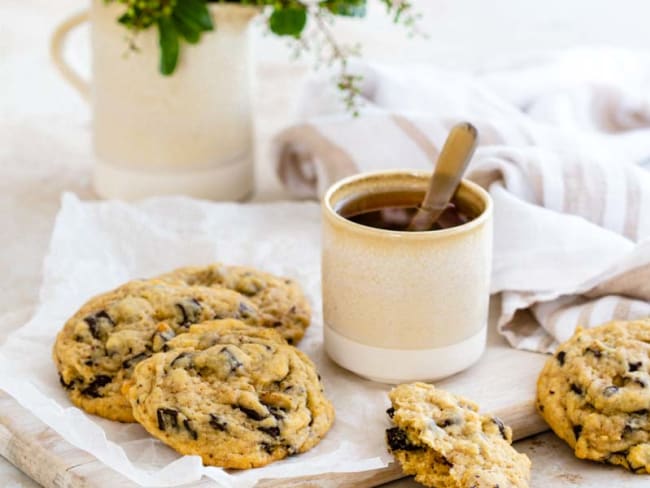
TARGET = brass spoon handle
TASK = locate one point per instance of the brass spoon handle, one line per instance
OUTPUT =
(452, 162)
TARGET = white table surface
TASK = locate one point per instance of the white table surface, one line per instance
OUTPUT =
(45, 147)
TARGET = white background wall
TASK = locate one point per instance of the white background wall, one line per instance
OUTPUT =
(467, 33)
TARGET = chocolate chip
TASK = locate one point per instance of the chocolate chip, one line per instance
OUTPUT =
(576, 389)
(99, 324)
(67, 386)
(610, 390)
(391, 412)
(232, 360)
(277, 412)
(188, 427)
(398, 440)
(619, 457)
(446, 461)
(292, 310)
(132, 361)
(245, 311)
(560, 357)
(190, 311)
(272, 431)
(597, 353)
(183, 360)
(269, 448)
(167, 417)
(160, 337)
(634, 366)
(502, 428)
(276, 324)
(92, 389)
(448, 422)
(251, 414)
(640, 382)
(217, 423)
(643, 411)
(541, 408)
(577, 430)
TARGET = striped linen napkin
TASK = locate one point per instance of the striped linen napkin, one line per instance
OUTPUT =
(564, 142)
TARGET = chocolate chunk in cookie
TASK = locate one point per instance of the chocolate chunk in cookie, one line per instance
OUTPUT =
(597, 398)
(238, 396)
(101, 344)
(279, 301)
(443, 440)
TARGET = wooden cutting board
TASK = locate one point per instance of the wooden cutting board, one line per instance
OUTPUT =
(503, 383)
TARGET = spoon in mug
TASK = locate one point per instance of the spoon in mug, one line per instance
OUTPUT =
(452, 162)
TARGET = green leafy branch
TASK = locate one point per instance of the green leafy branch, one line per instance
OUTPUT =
(187, 20)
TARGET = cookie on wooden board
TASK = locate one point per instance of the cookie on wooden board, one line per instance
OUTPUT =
(443, 440)
(280, 301)
(237, 400)
(595, 393)
(100, 345)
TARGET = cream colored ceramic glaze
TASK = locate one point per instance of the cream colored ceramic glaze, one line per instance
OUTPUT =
(191, 124)
(405, 290)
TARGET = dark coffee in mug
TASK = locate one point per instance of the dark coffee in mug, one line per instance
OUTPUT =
(395, 210)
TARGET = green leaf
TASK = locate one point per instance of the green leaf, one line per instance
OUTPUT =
(169, 45)
(189, 32)
(288, 21)
(347, 8)
(195, 12)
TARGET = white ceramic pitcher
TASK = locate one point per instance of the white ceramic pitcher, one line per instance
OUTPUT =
(189, 133)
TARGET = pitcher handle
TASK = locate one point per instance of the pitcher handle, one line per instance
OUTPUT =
(56, 52)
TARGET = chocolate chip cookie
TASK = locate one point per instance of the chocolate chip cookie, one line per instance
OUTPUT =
(236, 400)
(100, 345)
(443, 440)
(280, 301)
(595, 394)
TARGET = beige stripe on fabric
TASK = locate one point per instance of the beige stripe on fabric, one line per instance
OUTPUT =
(621, 310)
(336, 161)
(550, 324)
(536, 178)
(417, 136)
(584, 317)
(633, 207)
(563, 320)
(634, 283)
(573, 185)
(546, 343)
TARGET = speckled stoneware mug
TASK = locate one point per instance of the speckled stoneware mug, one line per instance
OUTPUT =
(403, 306)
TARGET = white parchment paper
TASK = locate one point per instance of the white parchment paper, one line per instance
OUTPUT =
(96, 246)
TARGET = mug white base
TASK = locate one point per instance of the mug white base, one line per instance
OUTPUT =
(403, 365)
(232, 181)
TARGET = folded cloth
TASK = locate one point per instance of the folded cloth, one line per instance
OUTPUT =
(564, 142)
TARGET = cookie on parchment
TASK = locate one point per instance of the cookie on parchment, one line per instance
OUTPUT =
(595, 394)
(99, 346)
(443, 440)
(237, 400)
(280, 301)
